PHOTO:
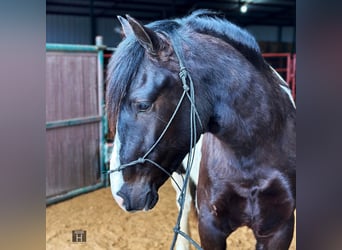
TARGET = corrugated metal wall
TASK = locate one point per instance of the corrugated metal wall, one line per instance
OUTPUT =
(271, 33)
(108, 28)
(76, 30)
(72, 151)
(68, 29)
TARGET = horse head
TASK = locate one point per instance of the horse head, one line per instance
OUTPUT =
(144, 91)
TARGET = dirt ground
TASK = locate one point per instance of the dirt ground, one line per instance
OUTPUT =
(108, 227)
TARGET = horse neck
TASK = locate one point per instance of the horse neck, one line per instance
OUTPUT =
(245, 106)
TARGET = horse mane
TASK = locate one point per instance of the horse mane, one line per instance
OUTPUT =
(129, 54)
(215, 24)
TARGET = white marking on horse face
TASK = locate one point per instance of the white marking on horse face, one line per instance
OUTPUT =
(116, 178)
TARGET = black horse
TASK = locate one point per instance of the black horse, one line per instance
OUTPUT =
(225, 91)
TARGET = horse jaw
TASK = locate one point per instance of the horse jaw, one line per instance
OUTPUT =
(116, 178)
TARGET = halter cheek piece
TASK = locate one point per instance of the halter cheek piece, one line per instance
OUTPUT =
(188, 91)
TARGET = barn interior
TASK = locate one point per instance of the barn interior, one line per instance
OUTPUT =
(272, 22)
(78, 140)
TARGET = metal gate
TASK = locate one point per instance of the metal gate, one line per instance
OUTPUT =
(76, 124)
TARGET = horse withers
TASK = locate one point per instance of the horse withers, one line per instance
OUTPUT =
(171, 81)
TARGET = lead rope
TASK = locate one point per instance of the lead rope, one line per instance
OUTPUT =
(183, 74)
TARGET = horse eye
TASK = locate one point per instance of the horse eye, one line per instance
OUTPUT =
(143, 106)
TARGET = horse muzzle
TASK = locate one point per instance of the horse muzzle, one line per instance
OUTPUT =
(135, 198)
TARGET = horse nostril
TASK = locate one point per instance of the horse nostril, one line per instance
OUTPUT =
(135, 199)
(148, 200)
(125, 198)
(151, 200)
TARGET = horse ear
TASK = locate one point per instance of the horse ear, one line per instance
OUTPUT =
(126, 27)
(146, 37)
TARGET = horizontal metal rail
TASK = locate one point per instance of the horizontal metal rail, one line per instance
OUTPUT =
(276, 54)
(73, 122)
(73, 193)
(73, 47)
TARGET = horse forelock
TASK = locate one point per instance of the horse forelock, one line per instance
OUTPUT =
(121, 70)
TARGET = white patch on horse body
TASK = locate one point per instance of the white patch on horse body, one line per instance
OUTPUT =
(197, 160)
(116, 178)
(288, 92)
(196, 164)
(182, 243)
(285, 87)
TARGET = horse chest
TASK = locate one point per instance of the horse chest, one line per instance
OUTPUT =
(261, 201)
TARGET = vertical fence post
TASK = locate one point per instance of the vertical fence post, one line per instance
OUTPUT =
(101, 107)
(293, 76)
(288, 69)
